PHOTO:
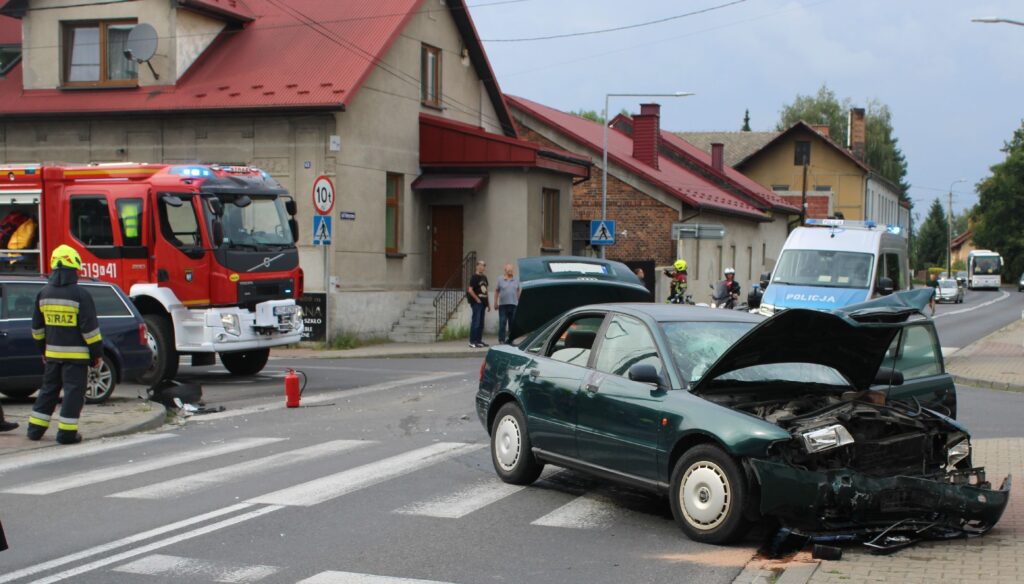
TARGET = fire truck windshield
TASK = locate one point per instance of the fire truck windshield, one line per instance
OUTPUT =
(263, 222)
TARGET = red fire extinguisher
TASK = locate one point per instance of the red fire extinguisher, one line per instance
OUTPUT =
(292, 391)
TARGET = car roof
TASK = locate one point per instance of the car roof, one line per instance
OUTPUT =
(677, 312)
(40, 279)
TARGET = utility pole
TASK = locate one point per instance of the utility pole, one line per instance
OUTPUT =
(949, 230)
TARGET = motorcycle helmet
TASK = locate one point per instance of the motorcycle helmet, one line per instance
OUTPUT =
(730, 271)
(680, 265)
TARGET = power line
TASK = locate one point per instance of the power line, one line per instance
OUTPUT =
(616, 28)
(80, 5)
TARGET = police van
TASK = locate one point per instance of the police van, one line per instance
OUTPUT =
(831, 263)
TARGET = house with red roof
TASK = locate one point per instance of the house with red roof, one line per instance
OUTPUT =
(657, 180)
(394, 100)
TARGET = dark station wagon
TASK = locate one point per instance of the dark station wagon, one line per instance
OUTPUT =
(832, 423)
(126, 352)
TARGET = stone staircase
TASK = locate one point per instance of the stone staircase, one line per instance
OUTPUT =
(416, 325)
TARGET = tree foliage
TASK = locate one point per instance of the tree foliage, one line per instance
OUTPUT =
(999, 215)
(881, 147)
(746, 121)
(930, 243)
(595, 116)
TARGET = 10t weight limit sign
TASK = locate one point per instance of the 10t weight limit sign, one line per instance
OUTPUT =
(323, 195)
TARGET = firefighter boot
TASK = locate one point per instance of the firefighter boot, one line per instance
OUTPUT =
(36, 432)
(68, 437)
(37, 425)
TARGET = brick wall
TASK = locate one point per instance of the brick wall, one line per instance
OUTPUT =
(817, 205)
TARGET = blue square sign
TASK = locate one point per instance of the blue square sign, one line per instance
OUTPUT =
(602, 232)
(322, 230)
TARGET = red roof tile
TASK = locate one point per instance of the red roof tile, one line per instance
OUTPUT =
(279, 60)
(674, 179)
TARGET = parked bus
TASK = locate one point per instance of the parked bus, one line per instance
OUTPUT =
(983, 269)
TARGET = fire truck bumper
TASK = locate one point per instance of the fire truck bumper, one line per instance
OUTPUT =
(271, 324)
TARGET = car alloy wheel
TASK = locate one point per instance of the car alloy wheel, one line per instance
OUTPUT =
(705, 495)
(511, 452)
(101, 382)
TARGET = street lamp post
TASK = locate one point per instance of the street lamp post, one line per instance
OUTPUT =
(996, 20)
(604, 148)
(949, 229)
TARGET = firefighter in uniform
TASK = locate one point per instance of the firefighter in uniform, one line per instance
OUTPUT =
(130, 221)
(65, 327)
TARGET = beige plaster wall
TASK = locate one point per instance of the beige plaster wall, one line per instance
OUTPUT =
(193, 33)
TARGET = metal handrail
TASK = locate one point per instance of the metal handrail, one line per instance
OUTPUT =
(452, 293)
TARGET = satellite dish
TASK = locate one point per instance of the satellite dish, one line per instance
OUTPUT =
(141, 45)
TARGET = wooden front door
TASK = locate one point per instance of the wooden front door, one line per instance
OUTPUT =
(446, 243)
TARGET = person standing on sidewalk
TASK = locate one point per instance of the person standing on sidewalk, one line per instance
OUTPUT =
(479, 303)
(65, 327)
(506, 298)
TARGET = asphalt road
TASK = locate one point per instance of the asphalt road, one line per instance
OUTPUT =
(982, 312)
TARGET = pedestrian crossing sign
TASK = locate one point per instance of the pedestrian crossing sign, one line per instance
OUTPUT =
(321, 230)
(602, 232)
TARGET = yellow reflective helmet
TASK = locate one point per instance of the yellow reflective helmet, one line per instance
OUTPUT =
(680, 265)
(65, 256)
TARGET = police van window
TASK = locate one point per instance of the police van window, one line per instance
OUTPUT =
(129, 216)
(178, 222)
(893, 271)
(107, 302)
(20, 299)
(90, 221)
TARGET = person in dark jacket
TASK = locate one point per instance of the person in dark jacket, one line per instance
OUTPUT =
(65, 327)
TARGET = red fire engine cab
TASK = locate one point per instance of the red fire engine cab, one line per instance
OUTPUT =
(206, 252)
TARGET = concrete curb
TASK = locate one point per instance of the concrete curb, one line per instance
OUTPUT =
(399, 355)
(760, 571)
(986, 384)
(156, 419)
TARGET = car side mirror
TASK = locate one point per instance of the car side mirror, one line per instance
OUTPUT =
(294, 226)
(885, 286)
(888, 376)
(645, 373)
(243, 201)
(218, 233)
(291, 207)
(216, 206)
(172, 200)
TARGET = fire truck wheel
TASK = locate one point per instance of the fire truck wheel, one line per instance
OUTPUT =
(245, 362)
(160, 336)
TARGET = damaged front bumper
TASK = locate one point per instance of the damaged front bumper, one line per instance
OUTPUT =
(846, 502)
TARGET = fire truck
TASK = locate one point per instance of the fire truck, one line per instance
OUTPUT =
(206, 252)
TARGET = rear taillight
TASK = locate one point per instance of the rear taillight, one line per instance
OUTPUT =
(301, 284)
(142, 334)
(483, 366)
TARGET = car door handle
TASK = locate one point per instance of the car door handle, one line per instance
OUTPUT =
(533, 373)
(591, 387)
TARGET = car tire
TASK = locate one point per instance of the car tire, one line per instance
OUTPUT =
(511, 451)
(708, 494)
(245, 362)
(160, 336)
(101, 382)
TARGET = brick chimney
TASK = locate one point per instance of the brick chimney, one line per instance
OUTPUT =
(717, 156)
(856, 139)
(646, 134)
(821, 129)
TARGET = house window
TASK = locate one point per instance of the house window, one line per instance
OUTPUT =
(93, 54)
(392, 215)
(823, 188)
(802, 153)
(780, 187)
(549, 218)
(430, 91)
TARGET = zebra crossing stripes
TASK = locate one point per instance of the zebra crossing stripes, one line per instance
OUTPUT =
(354, 578)
(102, 474)
(341, 483)
(197, 482)
(584, 512)
(195, 569)
(458, 504)
(48, 455)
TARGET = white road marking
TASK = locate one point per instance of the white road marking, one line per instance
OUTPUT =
(48, 455)
(329, 396)
(465, 501)
(354, 578)
(131, 539)
(191, 483)
(583, 512)
(99, 475)
(342, 483)
(1002, 296)
(117, 558)
(189, 568)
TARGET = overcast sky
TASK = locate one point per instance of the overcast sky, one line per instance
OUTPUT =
(955, 88)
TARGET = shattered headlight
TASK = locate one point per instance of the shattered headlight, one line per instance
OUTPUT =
(958, 452)
(826, 438)
(230, 324)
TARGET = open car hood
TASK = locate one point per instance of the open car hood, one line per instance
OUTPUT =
(852, 340)
(552, 285)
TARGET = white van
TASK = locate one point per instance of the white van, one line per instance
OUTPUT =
(833, 262)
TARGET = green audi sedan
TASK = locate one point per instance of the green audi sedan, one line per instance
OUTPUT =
(836, 422)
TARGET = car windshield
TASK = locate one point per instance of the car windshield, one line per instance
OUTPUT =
(947, 283)
(823, 268)
(262, 222)
(696, 346)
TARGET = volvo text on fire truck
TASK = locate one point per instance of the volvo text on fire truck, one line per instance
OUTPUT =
(206, 252)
